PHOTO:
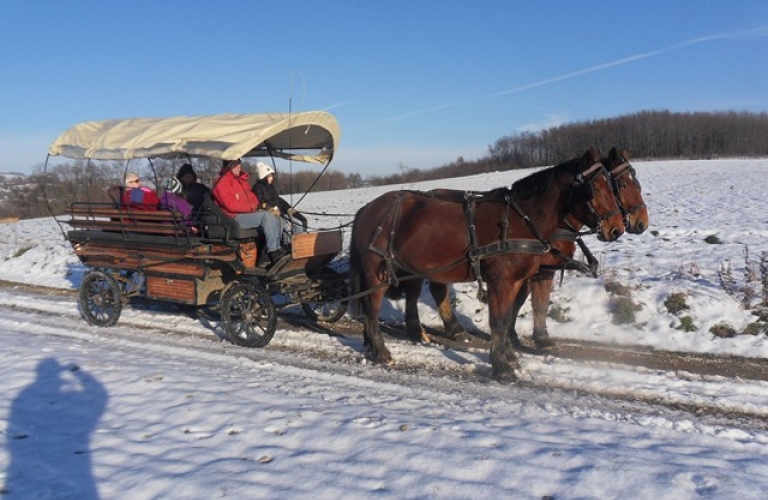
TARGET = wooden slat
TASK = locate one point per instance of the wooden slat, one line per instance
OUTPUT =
(129, 226)
(120, 213)
(311, 244)
(108, 218)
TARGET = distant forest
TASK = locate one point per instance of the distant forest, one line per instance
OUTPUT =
(646, 134)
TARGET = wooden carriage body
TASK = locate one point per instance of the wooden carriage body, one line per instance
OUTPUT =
(178, 263)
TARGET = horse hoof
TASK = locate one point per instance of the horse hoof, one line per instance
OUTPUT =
(544, 342)
(462, 337)
(383, 360)
(505, 378)
(380, 358)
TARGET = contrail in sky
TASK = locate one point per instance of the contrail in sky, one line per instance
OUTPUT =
(759, 32)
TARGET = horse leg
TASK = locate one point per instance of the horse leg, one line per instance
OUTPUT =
(453, 329)
(541, 290)
(500, 308)
(413, 328)
(522, 295)
(371, 333)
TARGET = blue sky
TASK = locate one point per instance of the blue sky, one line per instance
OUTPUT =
(413, 83)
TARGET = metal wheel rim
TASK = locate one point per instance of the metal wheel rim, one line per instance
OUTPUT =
(100, 299)
(248, 315)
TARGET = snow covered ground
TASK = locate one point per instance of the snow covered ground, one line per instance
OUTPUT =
(160, 407)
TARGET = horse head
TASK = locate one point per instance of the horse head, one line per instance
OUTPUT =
(628, 191)
(591, 199)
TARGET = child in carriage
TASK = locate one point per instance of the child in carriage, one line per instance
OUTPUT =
(172, 200)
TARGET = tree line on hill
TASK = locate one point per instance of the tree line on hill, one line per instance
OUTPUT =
(646, 134)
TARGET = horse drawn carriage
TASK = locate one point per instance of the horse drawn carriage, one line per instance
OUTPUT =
(209, 260)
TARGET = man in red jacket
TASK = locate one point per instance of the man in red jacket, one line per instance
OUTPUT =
(233, 194)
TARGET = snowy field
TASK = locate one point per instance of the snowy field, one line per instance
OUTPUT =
(160, 407)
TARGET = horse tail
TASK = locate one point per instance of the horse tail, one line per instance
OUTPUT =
(355, 272)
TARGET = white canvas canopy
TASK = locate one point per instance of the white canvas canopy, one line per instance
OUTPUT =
(311, 136)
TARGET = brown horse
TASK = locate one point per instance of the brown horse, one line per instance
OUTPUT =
(630, 200)
(498, 237)
(539, 287)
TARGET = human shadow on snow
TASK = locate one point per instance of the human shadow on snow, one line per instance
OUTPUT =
(49, 434)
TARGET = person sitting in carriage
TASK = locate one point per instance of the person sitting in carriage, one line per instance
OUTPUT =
(194, 192)
(266, 192)
(172, 200)
(232, 192)
(136, 196)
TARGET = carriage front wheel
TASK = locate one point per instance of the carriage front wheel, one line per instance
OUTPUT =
(331, 304)
(248, 314)
(100, 302)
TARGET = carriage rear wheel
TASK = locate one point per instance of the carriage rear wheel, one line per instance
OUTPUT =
(331, 305)
(248, 314)
(100, 302)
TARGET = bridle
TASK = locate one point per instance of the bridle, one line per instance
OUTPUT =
(615, 174)
(583, 191)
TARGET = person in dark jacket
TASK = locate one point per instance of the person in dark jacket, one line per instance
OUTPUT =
(193, 191)
(265, 190)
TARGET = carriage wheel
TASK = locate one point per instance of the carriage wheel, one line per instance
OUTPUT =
(100, 302)
(332, 306)
(248, 314)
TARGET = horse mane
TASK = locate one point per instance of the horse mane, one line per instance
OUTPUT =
(459, 196)
(538, 183)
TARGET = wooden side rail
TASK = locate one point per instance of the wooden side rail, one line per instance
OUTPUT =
(105, 217)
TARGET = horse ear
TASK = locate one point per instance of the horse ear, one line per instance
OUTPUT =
(591, 157)
(625, 154)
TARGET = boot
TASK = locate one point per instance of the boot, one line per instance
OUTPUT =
(280, 255)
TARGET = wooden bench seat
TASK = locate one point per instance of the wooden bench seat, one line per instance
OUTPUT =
(105, 217)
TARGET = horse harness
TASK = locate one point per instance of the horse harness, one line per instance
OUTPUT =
(619, 171)
(476, 253)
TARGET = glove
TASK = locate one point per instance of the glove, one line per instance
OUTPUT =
(291, 211)
(302, 219)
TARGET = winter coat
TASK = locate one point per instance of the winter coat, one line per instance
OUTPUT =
(177, 203)
(194, 192)
(140, 198)
(268, 197)
(234, 195)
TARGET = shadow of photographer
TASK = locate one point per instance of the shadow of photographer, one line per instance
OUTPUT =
(49, 433)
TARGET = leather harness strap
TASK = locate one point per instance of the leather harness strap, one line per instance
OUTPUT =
(475, 252)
